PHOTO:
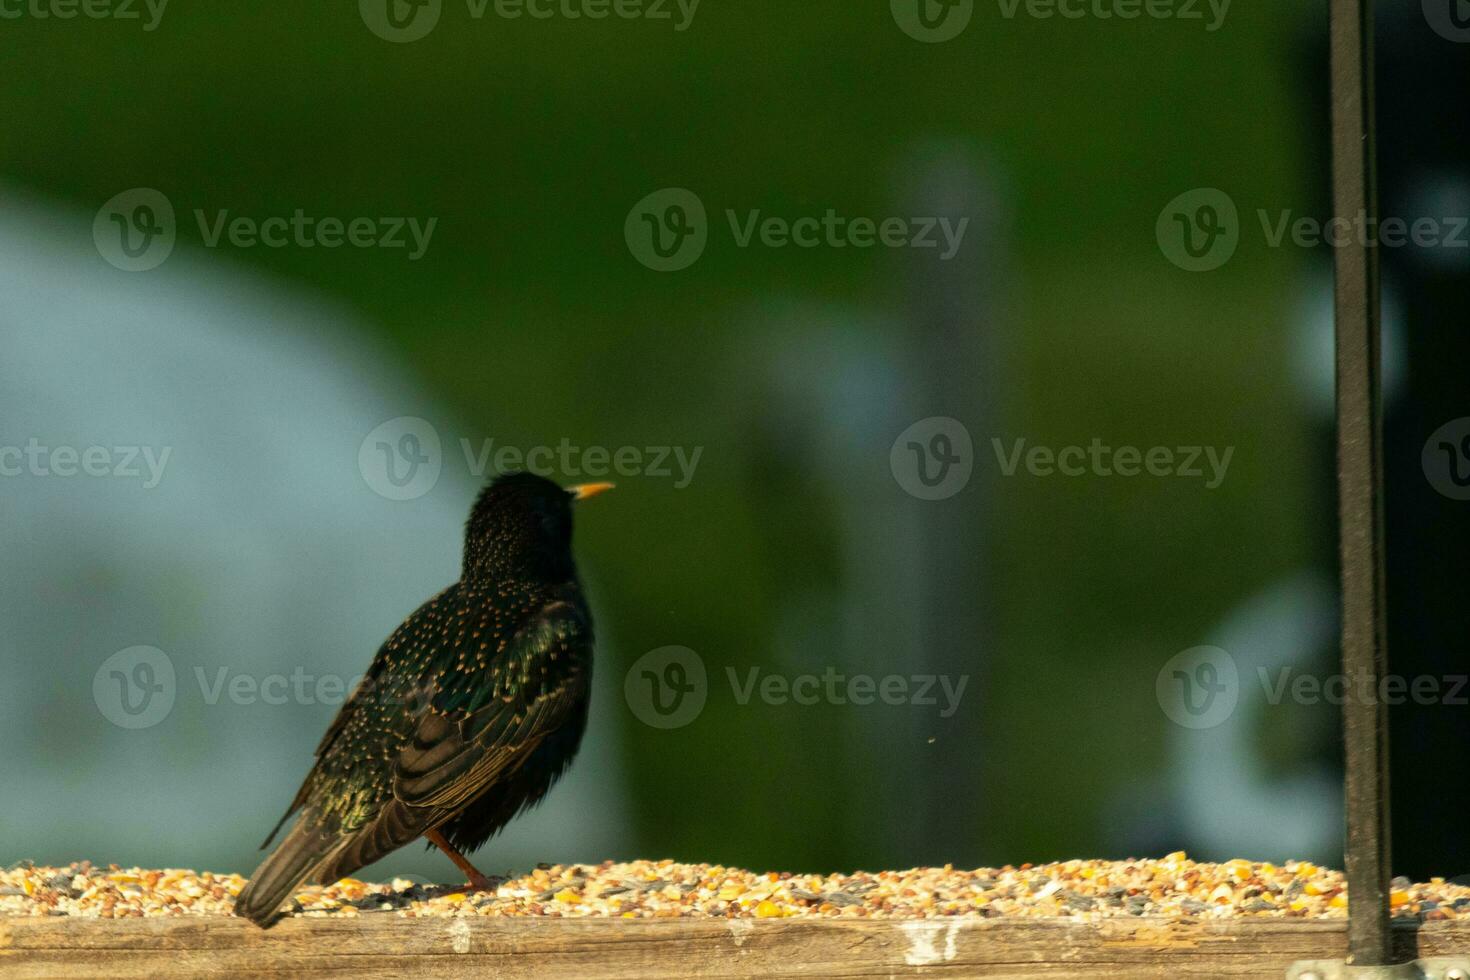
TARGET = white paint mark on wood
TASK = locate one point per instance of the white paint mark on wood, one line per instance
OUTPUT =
(923, 936)
(459, 936)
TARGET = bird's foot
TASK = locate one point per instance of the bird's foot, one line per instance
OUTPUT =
(477, 881)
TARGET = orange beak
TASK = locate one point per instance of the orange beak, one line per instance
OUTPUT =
(589, 490)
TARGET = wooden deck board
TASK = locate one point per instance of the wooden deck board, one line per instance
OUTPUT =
(386, 945)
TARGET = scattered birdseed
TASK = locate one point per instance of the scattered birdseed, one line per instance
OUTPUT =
(1171, 887)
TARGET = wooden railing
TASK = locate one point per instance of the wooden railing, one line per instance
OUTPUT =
(388, 945)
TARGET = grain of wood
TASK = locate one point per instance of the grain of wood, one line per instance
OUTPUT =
(385, 945)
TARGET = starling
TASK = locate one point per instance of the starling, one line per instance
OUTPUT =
(469, 713)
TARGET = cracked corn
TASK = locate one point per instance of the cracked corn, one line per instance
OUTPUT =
(1173, 886)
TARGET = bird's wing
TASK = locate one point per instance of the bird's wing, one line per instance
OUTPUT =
(441, 717)
(470, 735)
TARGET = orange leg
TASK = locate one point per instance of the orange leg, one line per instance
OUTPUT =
(475, 879)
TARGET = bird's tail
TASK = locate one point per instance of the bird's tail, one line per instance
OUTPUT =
(288, 866)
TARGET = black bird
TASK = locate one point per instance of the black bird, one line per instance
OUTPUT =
(469, 713)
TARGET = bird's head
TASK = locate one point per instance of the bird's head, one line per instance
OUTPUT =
(521, 528)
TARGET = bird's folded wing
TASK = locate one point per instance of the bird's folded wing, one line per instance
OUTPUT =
(457, 753)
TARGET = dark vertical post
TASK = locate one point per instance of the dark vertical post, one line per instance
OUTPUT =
(955, 312)
(1360, 483)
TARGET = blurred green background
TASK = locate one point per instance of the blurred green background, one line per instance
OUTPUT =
(527, 320)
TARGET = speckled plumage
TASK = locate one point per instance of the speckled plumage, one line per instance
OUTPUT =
(469, 713)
